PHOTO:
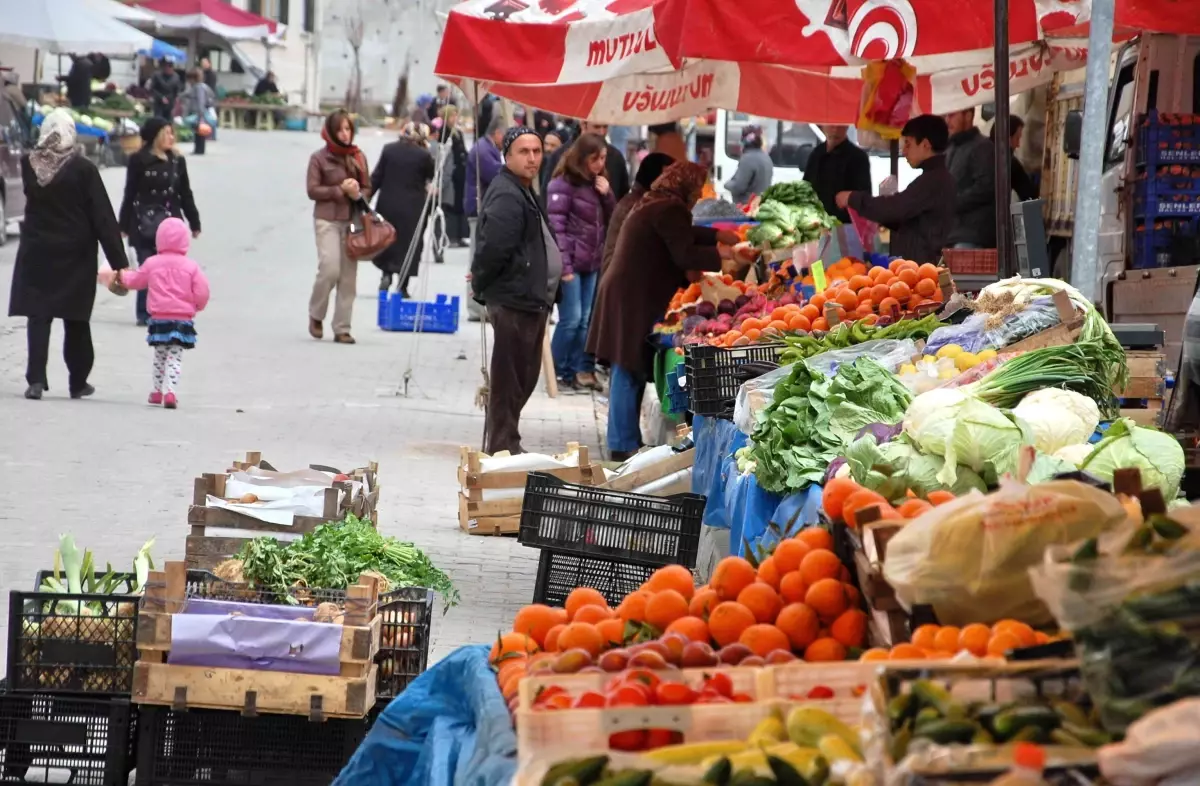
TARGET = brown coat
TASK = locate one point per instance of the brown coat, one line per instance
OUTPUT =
(657, 246)
(326, 172)
(620, 213)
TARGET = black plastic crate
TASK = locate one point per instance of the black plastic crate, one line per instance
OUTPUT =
(712, 378)
(598, 522)
(560, 573)
(66, 739)
(404, 646)
(225, 748)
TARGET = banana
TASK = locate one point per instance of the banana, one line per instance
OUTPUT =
(834, 748)
(807, 725)
(696, 752)
(769, 731)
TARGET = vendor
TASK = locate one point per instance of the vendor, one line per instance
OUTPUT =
(836, 166)
(657, 246)
(922, 216)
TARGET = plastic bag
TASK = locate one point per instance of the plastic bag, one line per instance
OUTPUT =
(969, 558)
(1041, 314)
(888, 97)
(867, 230)
(889, 353)
(754, 396)
(1160, 745)
(970, 334)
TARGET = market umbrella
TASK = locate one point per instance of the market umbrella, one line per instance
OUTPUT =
(214, 16)
(120, 11)
(63, 26)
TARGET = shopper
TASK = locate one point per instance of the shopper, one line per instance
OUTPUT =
(515, 273)
(658, 245)
(455, 185)
(483, 164)
(79, 82)
(178, 290)
(971, 160)
(210, 76)
(754, 170)
(1021, 182)
(615, 165)
(579, 204)
(165, 87)
(338, 178)
(67, 213)
(156, 188)
(648, 171)
(550, 145)
(197, 107)
(922, 216)
(400, 182)
(836, 166)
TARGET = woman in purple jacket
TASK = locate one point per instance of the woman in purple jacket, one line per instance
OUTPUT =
(579, 204)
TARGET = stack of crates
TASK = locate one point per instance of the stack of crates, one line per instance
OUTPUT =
(608, 540)
(1166, 199)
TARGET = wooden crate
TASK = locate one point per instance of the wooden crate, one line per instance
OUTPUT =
(1065, 332)
(657, 471)
(349, 694)
(1143, 399)
(477, 516)
(365, 504)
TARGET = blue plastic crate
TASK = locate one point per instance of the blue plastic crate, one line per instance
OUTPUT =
(1161, 143)
(1154, 239)
(396, 313)
(677, 397)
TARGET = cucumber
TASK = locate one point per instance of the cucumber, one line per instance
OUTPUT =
(1089, 736)
(931, 694)
(1070, 713)
(785, 774)
(1010, 722)
(901, 708)
(719, 773)
(579, 771)
(948, 731)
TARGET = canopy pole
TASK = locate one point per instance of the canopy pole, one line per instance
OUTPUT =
(1085, 252)
(1005, 257)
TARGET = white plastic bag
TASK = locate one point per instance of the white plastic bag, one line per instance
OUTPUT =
(656, 429)
(754, 396)
(889, 353)
(1161, 748)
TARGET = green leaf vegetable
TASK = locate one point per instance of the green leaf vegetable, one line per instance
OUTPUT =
(894, 467)
(812, 418)
(1082, 367)
(74, 574)
(1159, 456)
(333, 556)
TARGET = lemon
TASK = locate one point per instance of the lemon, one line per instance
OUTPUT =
(950, 351)
(986, 355)
(908, 368)
(965, 361)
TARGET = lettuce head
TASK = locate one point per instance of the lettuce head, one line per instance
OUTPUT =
(1159, 456)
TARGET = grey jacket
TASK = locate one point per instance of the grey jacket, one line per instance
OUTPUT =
(196, 99)
(971, 160)
(752, 177)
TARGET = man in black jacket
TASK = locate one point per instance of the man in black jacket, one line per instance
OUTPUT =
(836, 166)
(79, 82)
(515, 273)
(165, 87)
(615, 165)
(971, 159)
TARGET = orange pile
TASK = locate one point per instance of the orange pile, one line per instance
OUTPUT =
(936, 642)
(791, 317)
(902, 286)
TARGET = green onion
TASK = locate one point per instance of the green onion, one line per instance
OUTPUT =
(1086, 367)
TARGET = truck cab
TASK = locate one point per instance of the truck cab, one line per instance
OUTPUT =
(789, 145)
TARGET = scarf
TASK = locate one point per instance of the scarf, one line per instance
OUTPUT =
(678, 183)
(356, 162)
(55, 146)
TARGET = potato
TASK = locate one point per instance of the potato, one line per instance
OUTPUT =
(246, 499)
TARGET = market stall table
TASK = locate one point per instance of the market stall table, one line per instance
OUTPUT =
(246, 114)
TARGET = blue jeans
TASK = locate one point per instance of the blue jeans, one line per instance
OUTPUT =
(569, 343)
(140, 302)
(624, 418)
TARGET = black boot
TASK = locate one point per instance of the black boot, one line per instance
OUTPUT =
(385, 283)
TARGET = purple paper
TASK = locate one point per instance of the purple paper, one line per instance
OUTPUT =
(268, 638)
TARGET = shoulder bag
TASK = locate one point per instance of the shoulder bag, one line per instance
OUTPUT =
(150, 216)
(370, 233)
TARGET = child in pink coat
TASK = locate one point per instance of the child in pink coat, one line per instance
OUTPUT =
(177, 290)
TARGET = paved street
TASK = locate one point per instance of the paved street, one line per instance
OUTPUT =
(115, 472)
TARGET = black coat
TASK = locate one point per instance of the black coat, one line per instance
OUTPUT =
(845, 168)
(79, 83)
(399, 180)
(151, 181)
(457, 163)
(510, 268)
(971, 158)
(55, 271)
(920, 217)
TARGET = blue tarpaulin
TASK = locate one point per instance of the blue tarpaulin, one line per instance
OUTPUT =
(450, 727)
(735, 500)
(160, 50)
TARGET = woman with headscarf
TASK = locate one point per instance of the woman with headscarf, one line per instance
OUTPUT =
(156, 188)
(338, 179)
(67, 213)
(657, 248)
(454, 178)
(401, 180)
(648, 171)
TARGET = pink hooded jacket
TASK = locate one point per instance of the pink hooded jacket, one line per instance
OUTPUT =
(177, 288)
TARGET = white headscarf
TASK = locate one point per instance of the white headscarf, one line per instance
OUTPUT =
(55, 145)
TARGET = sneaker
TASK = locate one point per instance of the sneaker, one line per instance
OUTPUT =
(34, 392)
(170, 402)
(588, 380)
(83, 392)
(156, 399)
(569, 387)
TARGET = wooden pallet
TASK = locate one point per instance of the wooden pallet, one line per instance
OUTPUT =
(1144, 398)
(477, 516)
(349, 694)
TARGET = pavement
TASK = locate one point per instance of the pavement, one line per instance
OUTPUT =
(115, 472)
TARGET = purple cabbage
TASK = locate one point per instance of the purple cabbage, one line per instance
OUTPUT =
(883, 432)
(834, 466)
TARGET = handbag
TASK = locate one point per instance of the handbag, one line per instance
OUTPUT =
(370, 233)
(150, 216)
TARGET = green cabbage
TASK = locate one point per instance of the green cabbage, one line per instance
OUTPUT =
(986, 439)
(894, 467)
(1125, 445)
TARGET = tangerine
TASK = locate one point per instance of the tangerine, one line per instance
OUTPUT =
(613, 631)
(859, 282)
(940, 497)
(552, 638)
(703, 602)
(633, 608)
(886, 305)
(827, 598)
(792, 587)
(694, 628)
(913, 508)
(536, 620)
(768, 574)
(906, 652)
(675, 577)
(788, 555)
(850, 628)
(1023, 633)
(1000, 643)
(510, 644)
(816, 538)
(974, 638)
(925, 636)
(799, 623)
(665, 607)
(925, 287)
(820, 323)
(859, 500)
(875, 653)
(583, 636)
(762, 600)
(799, 322)
(909, 277)
(809, 311)
(819, 564)
(929, 271)
(764, 639)
(583, 596)
(825, 650)
(946, 639)
(731, 576)
(853, 596)
(900, 291)
(727, 621)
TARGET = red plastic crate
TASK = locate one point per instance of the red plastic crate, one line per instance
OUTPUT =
(971, 261)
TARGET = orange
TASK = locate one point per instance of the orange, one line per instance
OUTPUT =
(536, 620)
(510, 667)
(909, 277)
(727, 621)
(878, 292)
(827, 598)
(552, 638)
(816, 538)
(853, 596)
(946, 639)
(762, 601)
(925, 287)
(764, 639)
(886, 305)
(665, 607)
(1020, 630)
(907, 264)
(900, 291)
(751, 323)
(817, 300)
(694, 628)
(834, 495)
(975, 638)
(825, 650)
(799, 623)
(510, 685)
(675, 577)
(1000, 643)
(820, 323)
(768, 574)
(788, 555)
(929, 271)
(593, 614)
(703, 602)
(925, 636)
(1041, 638)
(810, 312)
(858, 282)
(847, 299)
(754, 334)
(613, 632)
(778, 324)
(863, 498)
(894, 264)
(875, 653)
(792, 587)
(906, 652)
(633, 608)
(731, 576)
(850, 628)
(583, 596)
(819, 564)
(913, 508)
(799, 322)
(509, 643)
(939, 497)
(581, 635)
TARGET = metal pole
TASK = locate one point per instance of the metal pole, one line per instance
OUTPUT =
(1005, 256)
(1085, 252)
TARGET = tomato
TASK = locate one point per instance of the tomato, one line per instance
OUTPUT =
(589, 699)
(641, 676)
(628, 696)
(820, 692)
(634, 740)
(711, 697)
(560, 701)
(743, 698)
(657, 738)
(546, 693)
(720, 683)
(673, 694)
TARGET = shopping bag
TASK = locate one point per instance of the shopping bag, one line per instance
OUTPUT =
(867, 231)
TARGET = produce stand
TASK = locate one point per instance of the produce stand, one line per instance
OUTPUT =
(248, 115)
